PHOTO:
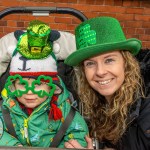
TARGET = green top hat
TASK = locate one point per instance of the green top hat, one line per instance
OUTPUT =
(99, 35)
(35, 44)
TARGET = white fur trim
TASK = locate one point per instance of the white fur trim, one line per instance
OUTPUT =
(66, 44)
(7, 46)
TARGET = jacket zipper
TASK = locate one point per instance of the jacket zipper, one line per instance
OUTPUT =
(26, 120)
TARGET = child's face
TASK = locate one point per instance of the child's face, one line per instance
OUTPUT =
(30, 99)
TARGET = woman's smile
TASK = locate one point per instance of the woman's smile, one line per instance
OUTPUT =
(105, 82)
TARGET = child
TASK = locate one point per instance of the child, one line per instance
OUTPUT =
(35, 96)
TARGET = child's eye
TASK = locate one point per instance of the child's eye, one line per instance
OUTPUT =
(20, 84)
(40, 84)
(37, 85)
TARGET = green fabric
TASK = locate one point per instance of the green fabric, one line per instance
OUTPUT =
(40, 130)
(99, 35)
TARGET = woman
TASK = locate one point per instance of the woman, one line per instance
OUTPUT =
(110, 86)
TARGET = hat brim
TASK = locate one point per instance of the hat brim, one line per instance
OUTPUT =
(133, 45)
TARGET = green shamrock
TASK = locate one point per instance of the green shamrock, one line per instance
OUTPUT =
(86, 36)
(43, 93)
(17, 92)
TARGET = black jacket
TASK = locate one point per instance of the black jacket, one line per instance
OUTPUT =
(137, 135)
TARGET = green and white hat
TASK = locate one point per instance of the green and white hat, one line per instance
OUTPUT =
(99, 35)
(34, 54)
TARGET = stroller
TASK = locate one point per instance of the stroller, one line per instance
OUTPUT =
(67, 46)
(62, 47)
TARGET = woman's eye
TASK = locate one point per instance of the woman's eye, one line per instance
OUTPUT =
(89, 64)
(109, 60)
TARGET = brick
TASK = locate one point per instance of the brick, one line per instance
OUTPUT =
(71, 27)
(92, 14)
(3, 23)
(125, 17)
(136, 24)
(127, 3)
(26, 17)
(1, 29)
(62, 5)
(146, 24)
(118, 2)
(99, 2)
(26, 24)
(135, 3)
(2, 34)
(9, 29)
(107, 14)
(81, 2)
(115, 9)
(20, 24)
(54, 26)
(109, 2)
(76, 21)
(8, 3)
(128, 36)
(46, 19)
(12, 17)
(62, 27)
(147, 31)
(146, 11)
(82, 7)
(90, 2)
(145, 37)
(72, 1)
(97, 8)
(62, 1)
(63, 20)
(11, 23)
(142, 17)
(134, 10)
(145, 3)
(145, 44)
(140, 31)
(130, 31)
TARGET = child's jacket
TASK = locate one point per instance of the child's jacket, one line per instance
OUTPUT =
(40, 130)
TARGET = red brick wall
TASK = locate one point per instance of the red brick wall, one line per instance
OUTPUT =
(134, 15)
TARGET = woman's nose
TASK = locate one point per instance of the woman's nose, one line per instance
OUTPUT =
(101, 70)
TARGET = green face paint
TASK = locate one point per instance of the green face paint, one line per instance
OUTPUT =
(37, 86)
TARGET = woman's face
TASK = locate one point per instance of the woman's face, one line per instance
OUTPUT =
(31, 100)
(105, 72)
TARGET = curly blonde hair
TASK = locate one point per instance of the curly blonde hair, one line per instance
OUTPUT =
(110, 121)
